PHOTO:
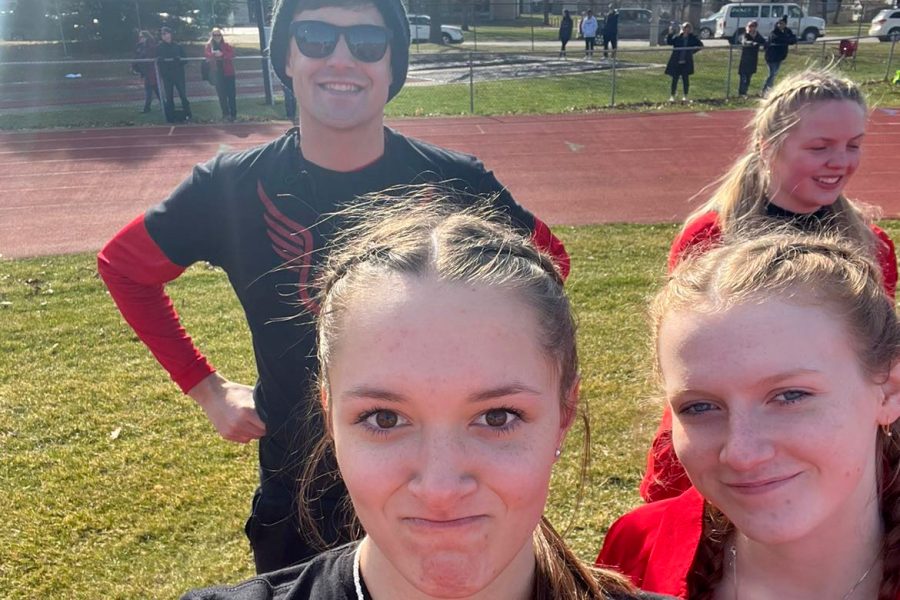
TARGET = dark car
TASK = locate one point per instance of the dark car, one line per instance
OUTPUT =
(634, 24)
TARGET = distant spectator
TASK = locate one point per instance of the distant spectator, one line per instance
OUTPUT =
(170, 58)
(220, 56)
(681, 63)
(143, 52)
(777, 50)
(751, 42)
(565, 32)
(611, 32)
(589, 27)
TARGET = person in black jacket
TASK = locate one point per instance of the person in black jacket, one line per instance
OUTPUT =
(144, 52)
(170, 58)
(565, 32)
(263, 216)
(751, 42)
(611, 32)
(681, 62)
(777, 50)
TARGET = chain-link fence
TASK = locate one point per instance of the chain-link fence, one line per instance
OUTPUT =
(494, 80)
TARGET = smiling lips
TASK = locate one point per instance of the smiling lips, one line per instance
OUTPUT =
(829, 181)
(760, 486)
(341, 87)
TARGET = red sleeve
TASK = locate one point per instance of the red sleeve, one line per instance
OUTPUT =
(227, 51)
(627, 547)
(887, 260)
(655, 545)
(207, 52)
(135, 270)
(544, 239)
(697, 236)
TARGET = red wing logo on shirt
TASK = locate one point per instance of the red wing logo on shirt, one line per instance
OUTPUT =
(294, 244)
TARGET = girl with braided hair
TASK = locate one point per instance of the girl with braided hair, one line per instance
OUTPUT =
(805, 145)
(448, 382)
(779, 358)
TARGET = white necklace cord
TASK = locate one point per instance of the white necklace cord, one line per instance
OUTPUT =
(357, 578)
(846, 596)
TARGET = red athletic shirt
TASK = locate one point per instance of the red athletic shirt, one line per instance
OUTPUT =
(665, 477)
(655, 544)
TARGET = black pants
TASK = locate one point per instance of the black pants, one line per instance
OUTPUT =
(685, 81)
(175, 82)
(563, 41)
(744, 84)
(226, 89)
(589, 43)
(150, 90)
(607, 40)
(274, 528)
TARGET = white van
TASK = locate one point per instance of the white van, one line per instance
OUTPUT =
(731, 20)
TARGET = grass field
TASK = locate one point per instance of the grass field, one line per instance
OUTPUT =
(117, 487)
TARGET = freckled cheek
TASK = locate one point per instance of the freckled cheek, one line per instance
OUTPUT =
(371, 472)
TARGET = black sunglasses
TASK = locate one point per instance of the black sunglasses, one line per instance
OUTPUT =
(317, 39)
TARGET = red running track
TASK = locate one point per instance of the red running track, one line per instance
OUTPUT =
(70, 190)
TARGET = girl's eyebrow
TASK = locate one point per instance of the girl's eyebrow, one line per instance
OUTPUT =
(828, 139)
(375, 393)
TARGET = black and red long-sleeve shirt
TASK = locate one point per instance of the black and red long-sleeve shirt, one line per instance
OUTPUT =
(258, 214)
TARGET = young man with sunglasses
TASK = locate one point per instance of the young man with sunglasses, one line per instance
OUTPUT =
(262, 216)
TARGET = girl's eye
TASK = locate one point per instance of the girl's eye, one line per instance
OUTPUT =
(696, 408)
(499, 418)
(382, 420)
(791, 396)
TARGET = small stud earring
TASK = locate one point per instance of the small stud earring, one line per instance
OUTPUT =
(558, 452)
(885, 429)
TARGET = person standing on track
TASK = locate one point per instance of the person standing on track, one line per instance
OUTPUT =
(589, 27)
(170, 58)
(264, 215)
(220, 57)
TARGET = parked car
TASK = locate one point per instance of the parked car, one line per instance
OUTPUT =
(886, 25)
(634, 24)
(420, 30)
(733, 17)
(707, 27)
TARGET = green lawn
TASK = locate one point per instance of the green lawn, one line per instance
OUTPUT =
(117, 487)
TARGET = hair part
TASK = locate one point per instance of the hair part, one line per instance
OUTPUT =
(441, 235)
(741, 195)
(817, 270)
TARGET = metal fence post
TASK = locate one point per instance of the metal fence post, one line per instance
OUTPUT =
(823, 51)
(159, 86)
(471, 86)
(728, 76)
(612, 99)
(887, 74)
(532, 38)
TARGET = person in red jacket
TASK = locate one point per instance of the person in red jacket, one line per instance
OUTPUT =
(779, 358)
(220, 57)
(265, 215)
(804, 147)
